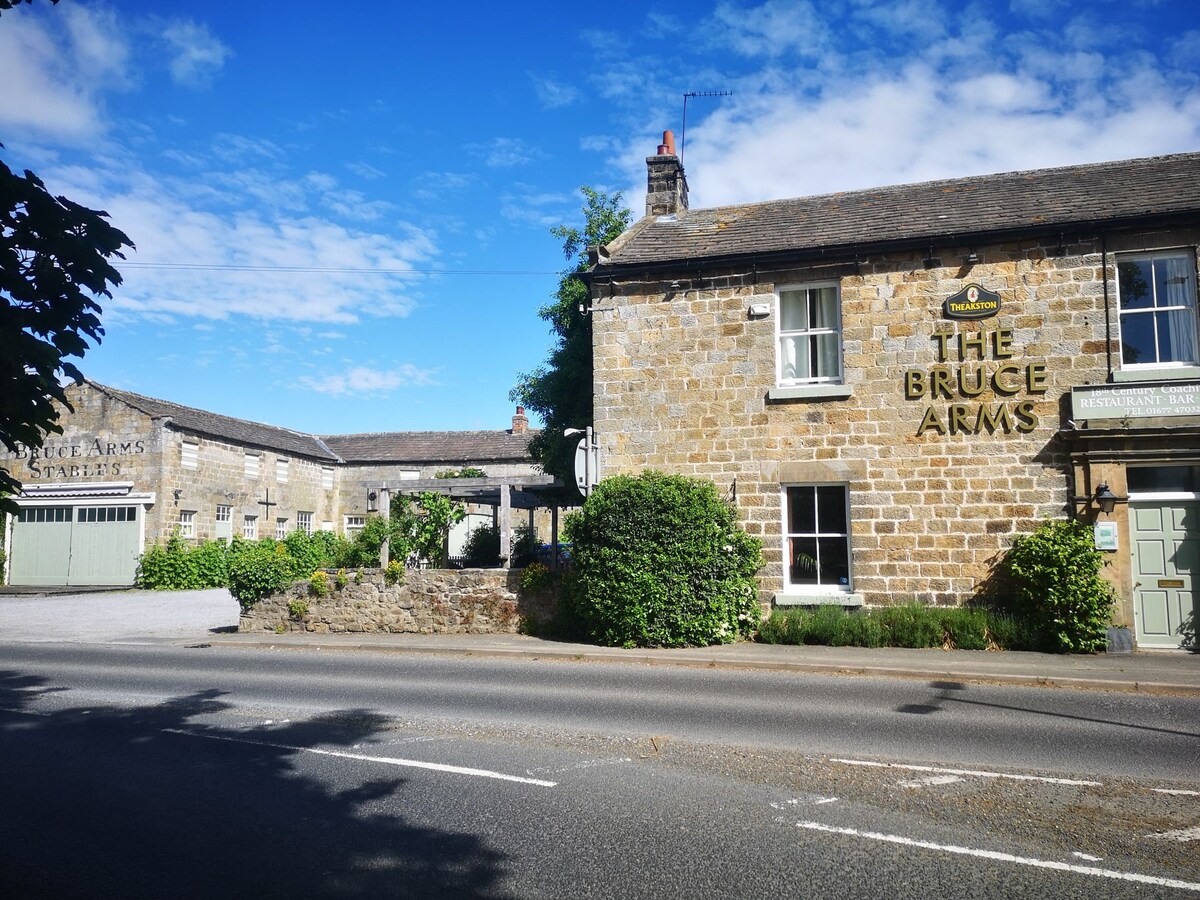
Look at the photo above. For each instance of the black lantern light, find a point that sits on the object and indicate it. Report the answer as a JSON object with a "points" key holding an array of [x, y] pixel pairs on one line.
{"points": [[1105, 498]]}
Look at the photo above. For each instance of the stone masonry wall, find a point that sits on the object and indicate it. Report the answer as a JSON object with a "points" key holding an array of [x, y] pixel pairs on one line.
{"points": [[430, 601], [683, 374]]}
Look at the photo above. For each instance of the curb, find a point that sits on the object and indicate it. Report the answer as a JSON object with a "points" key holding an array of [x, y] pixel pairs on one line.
{"points": [[812, 668]]}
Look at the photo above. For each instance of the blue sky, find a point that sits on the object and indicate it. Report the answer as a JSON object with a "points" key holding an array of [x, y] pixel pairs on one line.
{"points": [[342, 210]]}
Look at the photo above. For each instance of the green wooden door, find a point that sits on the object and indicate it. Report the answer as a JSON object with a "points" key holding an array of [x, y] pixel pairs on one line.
{"points": [[1166, 560], [104, 545], [41, 545]]}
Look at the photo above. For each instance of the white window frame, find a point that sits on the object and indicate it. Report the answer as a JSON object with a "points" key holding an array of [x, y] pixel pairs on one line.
{"points": [[788, 535], [253, 465], [304, 522], [781, 378], [1156, 313], [281, 469], [327, 478], [187, 523], [189, 454], [352, 525], [280, 528], [250, 527]]}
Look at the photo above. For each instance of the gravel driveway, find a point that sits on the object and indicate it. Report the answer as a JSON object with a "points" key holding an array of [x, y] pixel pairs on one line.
{"points": [[109, 617]]}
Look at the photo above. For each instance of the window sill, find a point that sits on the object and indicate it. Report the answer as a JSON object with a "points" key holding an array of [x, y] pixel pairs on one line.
{"points": [[810, 392], [1174, 373], [832, 599]]}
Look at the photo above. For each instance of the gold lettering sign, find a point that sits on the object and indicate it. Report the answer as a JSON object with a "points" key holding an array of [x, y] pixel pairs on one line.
{"points": [[972, 302]]}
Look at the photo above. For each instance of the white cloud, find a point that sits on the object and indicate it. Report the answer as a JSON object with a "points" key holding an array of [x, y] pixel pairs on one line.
{"points": [[553, 94], [365, 170], [503, 153], [366, 380], [963, 104], [772, 29], [198, 56], [54, 78]]}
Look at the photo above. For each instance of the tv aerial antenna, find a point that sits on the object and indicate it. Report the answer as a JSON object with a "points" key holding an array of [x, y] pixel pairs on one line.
{"points": [[689, 95]]}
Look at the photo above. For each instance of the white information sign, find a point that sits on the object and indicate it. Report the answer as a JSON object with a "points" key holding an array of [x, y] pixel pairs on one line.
{"points": [[1106, 535], [1136, 401]]}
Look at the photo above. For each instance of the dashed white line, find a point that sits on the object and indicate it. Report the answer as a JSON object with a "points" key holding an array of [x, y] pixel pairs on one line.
{"points": [[1004, 857], [1183, 835], [976, 773], [932, 781], [386, 760], [1176, 793]]}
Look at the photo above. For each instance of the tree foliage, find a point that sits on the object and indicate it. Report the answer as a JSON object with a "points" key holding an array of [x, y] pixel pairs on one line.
{"points": [[54, 264], [660, 561], [560, 391]]}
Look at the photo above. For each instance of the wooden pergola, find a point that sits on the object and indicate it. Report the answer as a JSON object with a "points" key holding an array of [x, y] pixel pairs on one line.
{"points": [[503, 493]]}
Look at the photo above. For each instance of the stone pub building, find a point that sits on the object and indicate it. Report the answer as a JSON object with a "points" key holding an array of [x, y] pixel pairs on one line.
{"points": [[894, 383]]}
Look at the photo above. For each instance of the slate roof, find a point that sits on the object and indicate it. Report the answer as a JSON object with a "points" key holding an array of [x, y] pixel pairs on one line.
{"points": [[432, 446], [1082, 196], [238, 431], [383, 447]]}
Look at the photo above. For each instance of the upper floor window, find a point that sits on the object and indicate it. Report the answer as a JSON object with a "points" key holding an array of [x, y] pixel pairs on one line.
{"points": [[252, 461], [189, 454], [327, 478], [1157, 294], [810, 334], [281, 469]]}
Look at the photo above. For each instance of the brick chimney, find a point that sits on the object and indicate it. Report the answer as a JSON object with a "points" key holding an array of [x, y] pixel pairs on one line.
{"points": [[666, 185], [520, 422]]}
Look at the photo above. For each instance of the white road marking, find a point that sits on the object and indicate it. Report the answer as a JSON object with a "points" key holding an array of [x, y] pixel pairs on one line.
{"points": [[1183, 835], [978, 774], [387, 760], [1176, 793], [825, 800], [932, 781], [1086, 856], [1005, 857]]}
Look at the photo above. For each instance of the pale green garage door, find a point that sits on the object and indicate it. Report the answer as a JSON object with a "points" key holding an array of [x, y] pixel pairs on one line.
{"points": [[75, 545]]}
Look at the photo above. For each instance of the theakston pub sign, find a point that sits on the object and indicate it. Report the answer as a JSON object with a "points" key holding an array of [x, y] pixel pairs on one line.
{"points": [[972, 364], [972, 302]]}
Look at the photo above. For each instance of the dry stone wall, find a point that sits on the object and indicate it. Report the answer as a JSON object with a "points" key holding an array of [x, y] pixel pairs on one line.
{"points": [[429, 601]]}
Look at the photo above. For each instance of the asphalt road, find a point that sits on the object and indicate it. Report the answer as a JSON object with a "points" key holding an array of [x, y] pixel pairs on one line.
{"points": [[165, 771]]}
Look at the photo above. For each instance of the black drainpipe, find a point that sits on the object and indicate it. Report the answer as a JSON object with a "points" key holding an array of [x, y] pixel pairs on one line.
{"points": [[1107, 313]]}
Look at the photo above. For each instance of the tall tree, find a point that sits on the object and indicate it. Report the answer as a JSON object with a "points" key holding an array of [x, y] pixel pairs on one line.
{"points": [[561, 390]]}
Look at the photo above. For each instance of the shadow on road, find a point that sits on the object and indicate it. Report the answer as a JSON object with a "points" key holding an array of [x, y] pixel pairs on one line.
{"points": [[947, 690], [115, 802]]}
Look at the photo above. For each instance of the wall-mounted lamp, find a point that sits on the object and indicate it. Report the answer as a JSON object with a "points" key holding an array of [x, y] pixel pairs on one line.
{"points": [[931, 261], [759, 310], [971, 258], [1105, 498], [178, 492]]}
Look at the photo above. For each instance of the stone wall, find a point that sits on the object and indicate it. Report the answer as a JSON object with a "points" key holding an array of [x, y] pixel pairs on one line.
{"points": [[429, 601], [686, 382]]}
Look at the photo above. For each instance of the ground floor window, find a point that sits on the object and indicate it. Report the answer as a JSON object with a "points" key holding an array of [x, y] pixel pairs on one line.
{"points": [[353, 525], [304, 522], [280, 529], [250, 527], [187, 523], [817, 537]]}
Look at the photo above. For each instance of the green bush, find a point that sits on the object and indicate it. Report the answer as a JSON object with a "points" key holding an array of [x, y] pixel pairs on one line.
{"points": [[482, 548], [318, 584], [659, 560], [257, 570], [178, 565], [298, 609], [911, 625], [1054, 574]]}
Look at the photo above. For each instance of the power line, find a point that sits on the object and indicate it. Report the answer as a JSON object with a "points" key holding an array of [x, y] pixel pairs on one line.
{"points": [[327, 270]]}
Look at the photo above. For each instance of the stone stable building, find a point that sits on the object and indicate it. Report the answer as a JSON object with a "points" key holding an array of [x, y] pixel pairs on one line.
{"points": [[129, 470], [895, 383]]}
